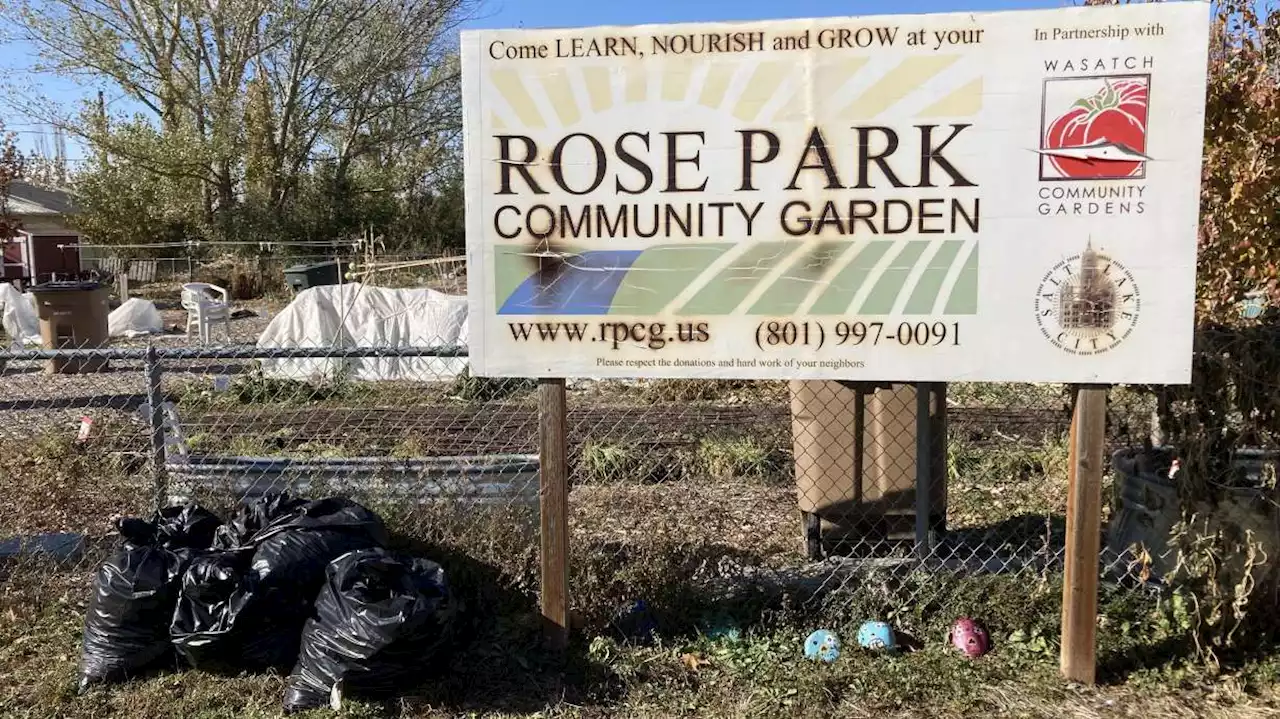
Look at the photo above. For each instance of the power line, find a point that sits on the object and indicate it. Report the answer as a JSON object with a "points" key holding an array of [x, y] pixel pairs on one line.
{"points": [[226, 243]]}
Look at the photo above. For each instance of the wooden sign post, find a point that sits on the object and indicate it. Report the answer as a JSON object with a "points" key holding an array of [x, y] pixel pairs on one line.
{"points": [[1084, 531], [554, 505]]}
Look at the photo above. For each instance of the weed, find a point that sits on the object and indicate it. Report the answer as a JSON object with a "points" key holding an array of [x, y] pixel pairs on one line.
{"points": [[470, 388], [1225, 569], [602, 462], [409, 447], [54, 483], [1009, 395], [256, 388], [990, 484], [743, 457], [249, 446], [679, 391], [244, 278]]}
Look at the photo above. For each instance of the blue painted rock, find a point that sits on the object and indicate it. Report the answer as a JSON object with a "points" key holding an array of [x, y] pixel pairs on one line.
{"points": [[877, 636], [823, 646]]}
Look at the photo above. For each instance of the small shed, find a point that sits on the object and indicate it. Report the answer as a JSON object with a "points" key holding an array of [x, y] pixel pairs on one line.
{"points": [[45, 247]]}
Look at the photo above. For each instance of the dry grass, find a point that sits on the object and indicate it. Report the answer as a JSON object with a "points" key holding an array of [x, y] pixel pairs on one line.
{"points": [[53, 483], [989, 485], [503, 674], [743, 515], [694, 542]]}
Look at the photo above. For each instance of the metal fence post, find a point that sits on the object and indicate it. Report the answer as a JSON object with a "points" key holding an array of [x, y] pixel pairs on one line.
{"points": [[155, 398]]}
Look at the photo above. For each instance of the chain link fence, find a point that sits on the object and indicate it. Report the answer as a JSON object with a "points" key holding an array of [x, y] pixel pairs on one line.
{"points": [[686, 494]]}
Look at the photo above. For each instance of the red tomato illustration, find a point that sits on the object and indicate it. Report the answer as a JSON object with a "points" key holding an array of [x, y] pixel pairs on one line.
{"points": [[1118, 114]]}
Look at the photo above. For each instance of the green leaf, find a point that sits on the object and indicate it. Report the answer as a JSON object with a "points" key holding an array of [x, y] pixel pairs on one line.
{"points": [[1108, 98]]}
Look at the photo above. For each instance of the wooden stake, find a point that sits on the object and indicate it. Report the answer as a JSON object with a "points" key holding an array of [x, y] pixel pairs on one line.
{"points": [[554, 496], [1084, 531]]}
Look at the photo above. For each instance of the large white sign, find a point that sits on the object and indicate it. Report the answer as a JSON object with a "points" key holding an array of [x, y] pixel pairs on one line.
{"points": [[995, 196]]}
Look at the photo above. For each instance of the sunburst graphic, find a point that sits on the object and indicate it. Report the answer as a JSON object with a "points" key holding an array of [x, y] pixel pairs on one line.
{"points": [[855, 89]]}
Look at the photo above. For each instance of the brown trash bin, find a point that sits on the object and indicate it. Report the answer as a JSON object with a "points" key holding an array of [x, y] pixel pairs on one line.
{"points": [[850, 499], [73, 315]]}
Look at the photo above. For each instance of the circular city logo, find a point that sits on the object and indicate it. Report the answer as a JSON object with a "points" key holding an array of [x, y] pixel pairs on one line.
{"points": [[1087, 304]]}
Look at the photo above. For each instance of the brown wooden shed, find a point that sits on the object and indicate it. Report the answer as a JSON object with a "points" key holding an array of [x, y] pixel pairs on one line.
{"points": [[45, 247]]}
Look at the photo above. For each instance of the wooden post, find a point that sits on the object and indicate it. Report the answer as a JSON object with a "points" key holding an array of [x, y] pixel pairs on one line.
{"points": [[554, 503], [924, 469], [1084, 530], [122, 284]]}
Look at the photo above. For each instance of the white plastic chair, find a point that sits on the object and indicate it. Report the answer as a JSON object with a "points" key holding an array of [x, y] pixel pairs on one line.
{"points": [[206, 304]]}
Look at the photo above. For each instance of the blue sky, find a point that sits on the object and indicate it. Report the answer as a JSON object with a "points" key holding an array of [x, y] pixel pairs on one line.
{"points": [[555, 13], [568, 13]]}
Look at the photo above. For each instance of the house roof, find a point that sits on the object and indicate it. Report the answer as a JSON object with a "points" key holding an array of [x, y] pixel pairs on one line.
{"points": [[27, 199]]}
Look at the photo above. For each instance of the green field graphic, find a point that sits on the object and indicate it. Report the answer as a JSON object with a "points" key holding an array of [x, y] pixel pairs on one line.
{"points": [[914, 277]]}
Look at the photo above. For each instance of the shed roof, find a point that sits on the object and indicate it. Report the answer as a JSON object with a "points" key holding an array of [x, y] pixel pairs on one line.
{"points": [[27, 199]]}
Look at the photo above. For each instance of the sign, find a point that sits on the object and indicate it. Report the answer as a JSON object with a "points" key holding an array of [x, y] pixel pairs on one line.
{"points": [[994, 196]]}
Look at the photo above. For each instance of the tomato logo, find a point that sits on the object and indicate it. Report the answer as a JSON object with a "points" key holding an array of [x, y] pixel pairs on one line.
{"points": [[1102, 135]]}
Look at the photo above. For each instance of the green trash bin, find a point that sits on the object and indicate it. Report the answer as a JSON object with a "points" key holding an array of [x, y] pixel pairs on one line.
{"points": [[303, 277]]}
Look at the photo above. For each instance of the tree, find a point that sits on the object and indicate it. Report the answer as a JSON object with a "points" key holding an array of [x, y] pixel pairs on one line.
{"points": [[1239, 241], [11, 167], [122, 201], [47, 166], [1240, 229], [257, 101]]}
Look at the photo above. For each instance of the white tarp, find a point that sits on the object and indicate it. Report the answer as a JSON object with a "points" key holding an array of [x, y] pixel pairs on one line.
{"points": [[18, 316], [356, 315], [135, 318]]}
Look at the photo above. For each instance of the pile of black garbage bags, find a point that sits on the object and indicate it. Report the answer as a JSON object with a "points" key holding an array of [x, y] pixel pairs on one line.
{"points": [[287, 584]]}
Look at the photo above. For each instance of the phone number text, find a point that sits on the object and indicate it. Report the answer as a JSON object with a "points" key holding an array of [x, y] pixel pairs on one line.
{"points": [[811, 333]]}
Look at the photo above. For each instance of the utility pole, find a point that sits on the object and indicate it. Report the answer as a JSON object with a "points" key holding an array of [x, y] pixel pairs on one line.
{"points": [[102, 127]]}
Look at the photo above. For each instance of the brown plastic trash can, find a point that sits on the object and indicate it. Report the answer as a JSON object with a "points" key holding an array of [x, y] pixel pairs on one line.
{"points": [[855, 490], [73, 315]]}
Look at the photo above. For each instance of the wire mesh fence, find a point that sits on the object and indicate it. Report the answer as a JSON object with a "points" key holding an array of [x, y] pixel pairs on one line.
{"points": [[721, 487], [681, 491]]}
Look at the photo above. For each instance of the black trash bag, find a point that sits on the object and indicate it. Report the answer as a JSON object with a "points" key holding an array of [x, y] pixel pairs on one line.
{"points": [[186, 526], [126, 628], [218, 624], [244, 609], [312, 535], [382, 622], [251, 517]]}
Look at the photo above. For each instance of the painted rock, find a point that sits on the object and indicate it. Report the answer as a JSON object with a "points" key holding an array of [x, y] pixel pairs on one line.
{"points": [[969, 638], [823, 646], [877, 636]]}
